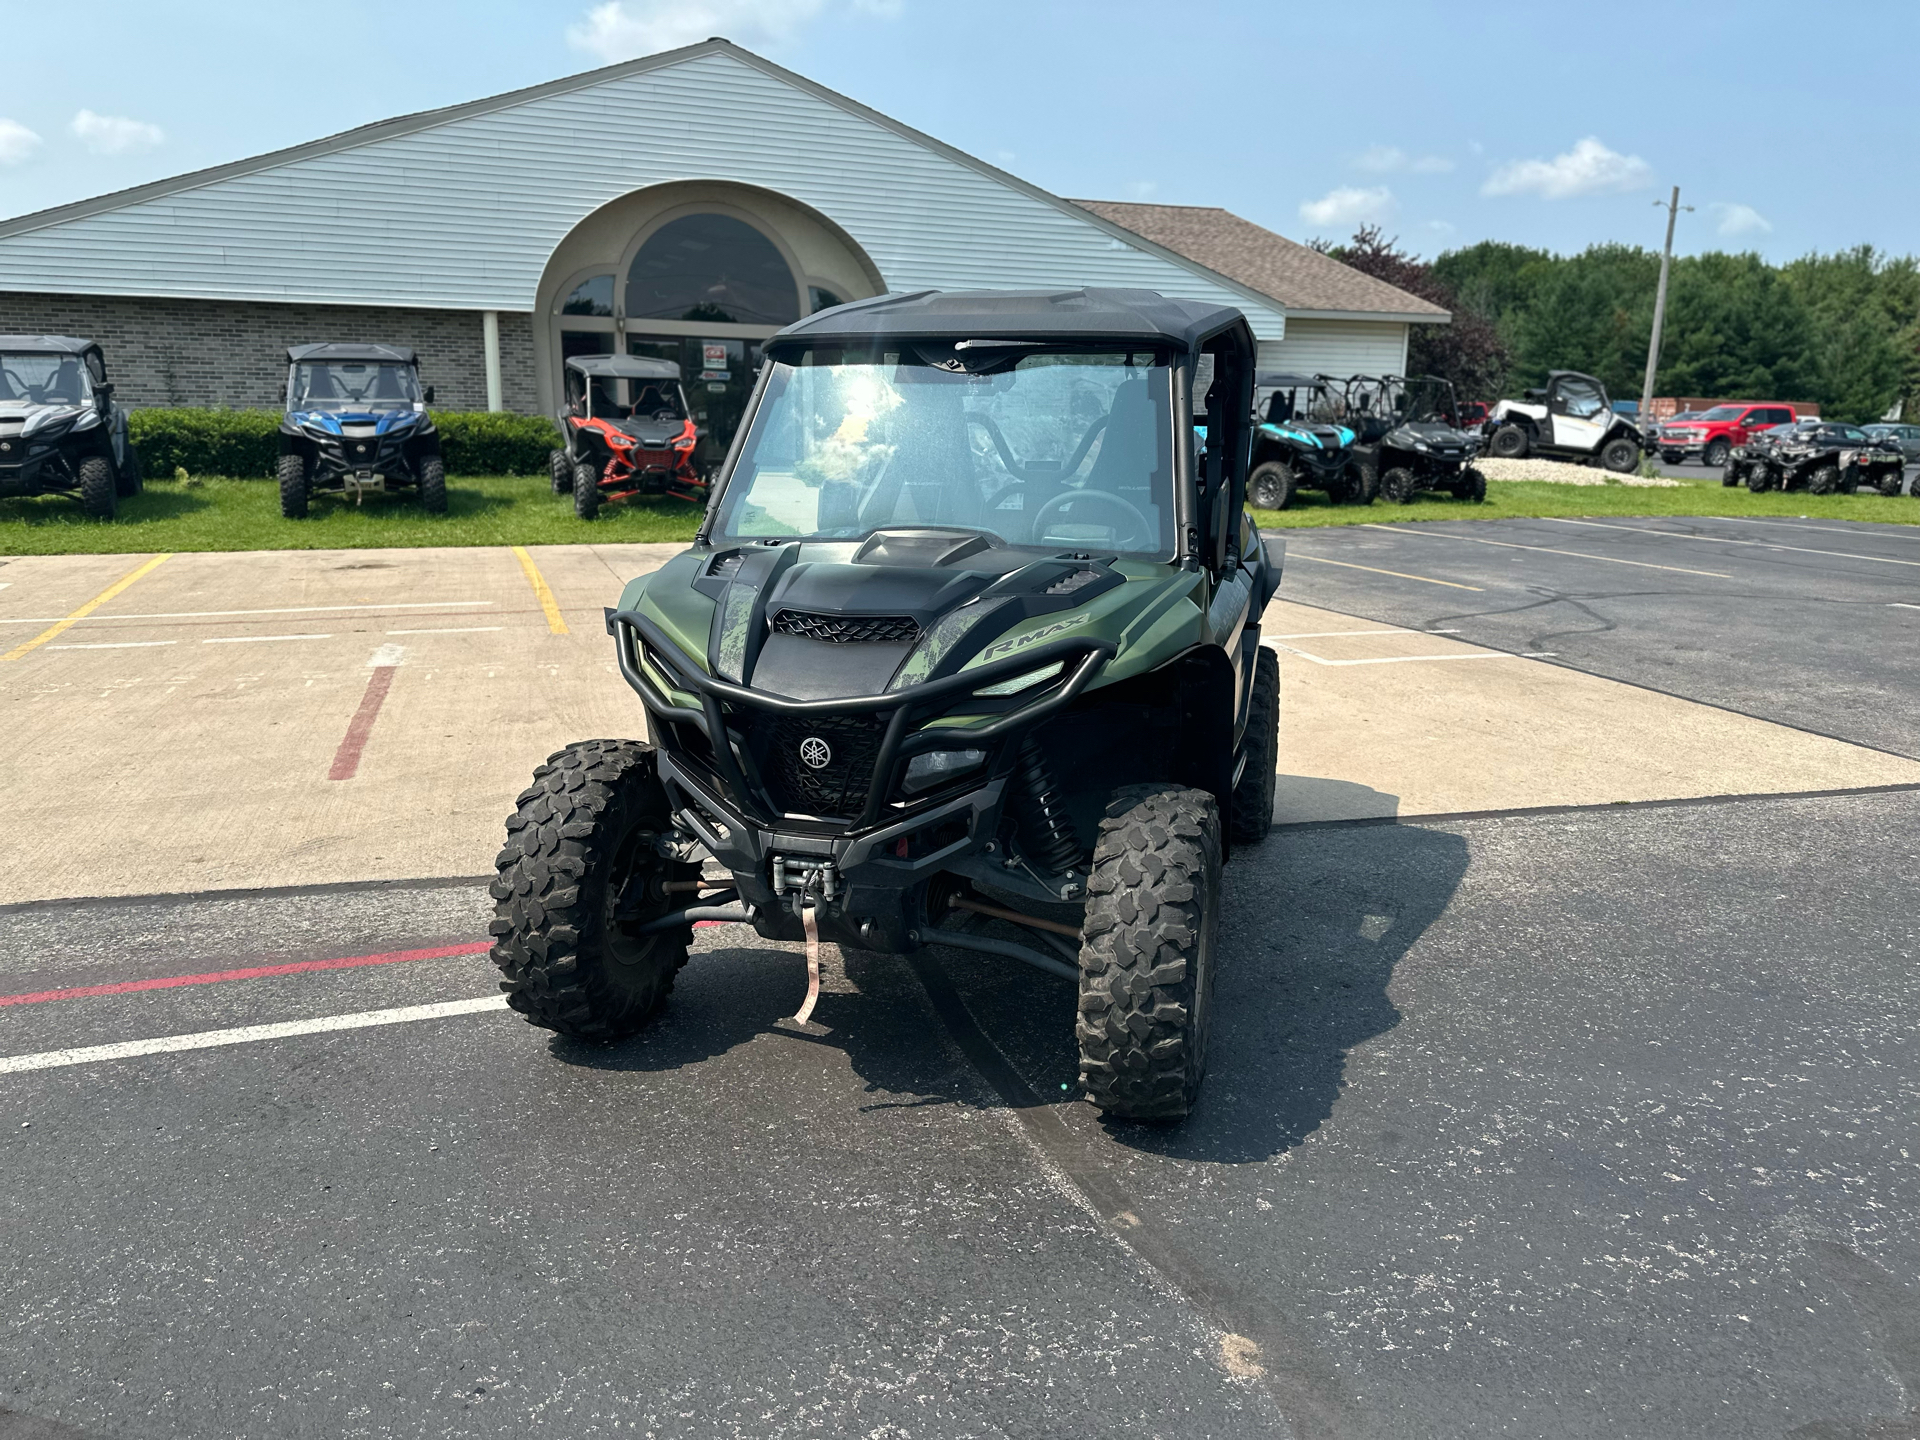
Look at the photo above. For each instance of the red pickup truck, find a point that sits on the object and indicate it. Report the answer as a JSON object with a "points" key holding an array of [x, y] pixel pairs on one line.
{"points": [[1706, 438]]}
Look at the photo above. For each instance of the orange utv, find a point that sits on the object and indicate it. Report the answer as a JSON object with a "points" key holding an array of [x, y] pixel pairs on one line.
{"points": [[627, 431]]}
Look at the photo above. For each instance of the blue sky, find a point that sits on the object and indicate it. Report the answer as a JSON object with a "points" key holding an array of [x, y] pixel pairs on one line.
{"points": [[1546, 125]]}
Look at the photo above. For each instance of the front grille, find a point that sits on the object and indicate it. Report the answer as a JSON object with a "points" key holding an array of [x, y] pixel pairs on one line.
{"points": [[837, 788], [848, 629]]}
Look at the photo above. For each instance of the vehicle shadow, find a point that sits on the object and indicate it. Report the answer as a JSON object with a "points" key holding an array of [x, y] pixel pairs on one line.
{"points": [[150, 504]]}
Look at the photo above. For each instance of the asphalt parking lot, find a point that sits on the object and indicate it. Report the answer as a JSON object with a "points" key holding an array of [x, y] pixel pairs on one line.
{"points": [[1562, 1084]]}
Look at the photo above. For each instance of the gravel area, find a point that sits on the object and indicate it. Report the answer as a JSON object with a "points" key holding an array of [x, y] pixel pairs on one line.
{"points": [[1558, 472]]}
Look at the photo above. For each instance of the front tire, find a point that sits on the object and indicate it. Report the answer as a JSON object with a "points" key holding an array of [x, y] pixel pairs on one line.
{"points": [[562, 469], [1620, 456], [99, 490], [1716, 454], [1824, 480], [586, 490], [1252, 810], [1759, 479], [578, 877], [1398, 485], [1509, 443], [433, 485], [1472, 486], [1270, 486], [293, 486], [1362, 481], [1730, 476], [1146, 959]]}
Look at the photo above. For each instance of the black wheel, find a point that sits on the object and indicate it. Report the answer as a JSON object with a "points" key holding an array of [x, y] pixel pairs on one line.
{"points": [[1759, 478], [1716, 454], [1362, 481], [1620, 456], [433, 485], [578, 878], [1889, 482], [99, 492], [129, 482], [1471, 486], [1509, 443], [1146, 957], [562, 469], [1270, 486], [1730, 476], [1252, 813], [1824, 480], [586, 490], [293, 485], [1399, 486]]}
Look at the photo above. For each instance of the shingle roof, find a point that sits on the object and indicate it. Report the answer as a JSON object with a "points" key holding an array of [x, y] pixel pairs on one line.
{"points": [[1303, 280]]}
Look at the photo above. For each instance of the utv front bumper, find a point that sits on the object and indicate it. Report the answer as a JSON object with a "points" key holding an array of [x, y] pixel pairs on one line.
{"points": [[720, 758]]}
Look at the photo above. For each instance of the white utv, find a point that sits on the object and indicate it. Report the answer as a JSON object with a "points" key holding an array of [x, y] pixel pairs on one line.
{"points": [[1569, 418]]}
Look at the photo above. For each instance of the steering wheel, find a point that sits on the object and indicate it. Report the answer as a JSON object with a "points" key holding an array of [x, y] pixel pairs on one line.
{"points": [[1125, 540]]}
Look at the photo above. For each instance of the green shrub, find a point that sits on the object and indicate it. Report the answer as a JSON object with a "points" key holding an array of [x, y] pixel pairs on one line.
{"points": [[243, 443], [481, 443]]}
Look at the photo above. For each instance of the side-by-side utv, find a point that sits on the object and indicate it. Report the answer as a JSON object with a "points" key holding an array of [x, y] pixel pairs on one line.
{"points": [[966, 654], [1408, 437], [627, 431], [1300, 444], [61, 433], [356, 420]]}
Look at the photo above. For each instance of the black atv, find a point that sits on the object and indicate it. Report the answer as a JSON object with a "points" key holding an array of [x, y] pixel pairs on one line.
{"points": [[60, 431], [356, 421], [1823, 457], [1300, 444], [965, 654], [1408, 437]]}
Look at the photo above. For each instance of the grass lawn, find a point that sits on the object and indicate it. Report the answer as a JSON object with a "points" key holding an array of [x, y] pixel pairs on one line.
{"points": [[521, 510]]}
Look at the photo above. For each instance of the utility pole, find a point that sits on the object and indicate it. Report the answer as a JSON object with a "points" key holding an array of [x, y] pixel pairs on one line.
{"points": [[1674, 207]]}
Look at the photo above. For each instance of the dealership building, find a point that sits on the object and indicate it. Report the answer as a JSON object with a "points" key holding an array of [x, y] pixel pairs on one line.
{"points": [[684, 206]]}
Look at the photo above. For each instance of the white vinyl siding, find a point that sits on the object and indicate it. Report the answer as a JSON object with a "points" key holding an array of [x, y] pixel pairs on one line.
{"points": [[465, 213], [1338, 347]]}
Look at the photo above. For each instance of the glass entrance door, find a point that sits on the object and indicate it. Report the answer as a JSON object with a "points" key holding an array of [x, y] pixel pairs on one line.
{"points": [[718, 376]]}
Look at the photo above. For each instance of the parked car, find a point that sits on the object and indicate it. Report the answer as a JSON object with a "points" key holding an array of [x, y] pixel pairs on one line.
{"points": [[1907, 437], [356, 420], [1710, 436], [1473, 414], [1823, 457], [628, 431], [1568, 418], [60, 431], [1298, 444]]}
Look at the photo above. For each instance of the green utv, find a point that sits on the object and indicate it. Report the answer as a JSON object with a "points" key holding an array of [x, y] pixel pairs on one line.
{"points": [[970, 632]]}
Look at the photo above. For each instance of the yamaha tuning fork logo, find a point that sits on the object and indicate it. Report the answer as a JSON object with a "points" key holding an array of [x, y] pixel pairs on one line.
{"points": [[816, 752]]}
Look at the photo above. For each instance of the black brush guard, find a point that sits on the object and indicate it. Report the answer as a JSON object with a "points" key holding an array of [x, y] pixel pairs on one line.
{"points": [[904, 708]]}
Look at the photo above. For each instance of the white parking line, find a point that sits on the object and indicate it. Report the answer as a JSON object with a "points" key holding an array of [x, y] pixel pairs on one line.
{"points": [[451, 630], [1730, 540], [1885, 530], [282, 610], [1332, 634], [1274, 644], [116, 645], [245, 1034], [257, 639], [1549, 550], [1902, 605]]}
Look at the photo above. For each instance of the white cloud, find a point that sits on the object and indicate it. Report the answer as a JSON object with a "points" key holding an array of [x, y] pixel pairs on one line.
{"points": [[17, 142], [1590, 168], [1740, 219], [621, 29], [115, 134], [1349, 205], [1392, 160]]}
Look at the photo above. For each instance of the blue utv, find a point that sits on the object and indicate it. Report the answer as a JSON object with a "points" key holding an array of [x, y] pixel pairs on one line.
{"points": [[1299, 444], [356, 421]]}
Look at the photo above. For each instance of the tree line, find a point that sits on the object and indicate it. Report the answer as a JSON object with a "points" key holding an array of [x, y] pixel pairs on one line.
{"points": [[1840, 330]]}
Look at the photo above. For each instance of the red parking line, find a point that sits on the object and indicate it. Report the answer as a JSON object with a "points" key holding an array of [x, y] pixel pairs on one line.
{"points": [[252, 972], [346, 760]]}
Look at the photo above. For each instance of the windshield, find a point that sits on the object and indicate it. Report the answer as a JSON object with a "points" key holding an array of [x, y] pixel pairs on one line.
{"points": [[1724, 412], [614, 397], [44, 379], [353, 385], [1052, 449], [1426, 400]]}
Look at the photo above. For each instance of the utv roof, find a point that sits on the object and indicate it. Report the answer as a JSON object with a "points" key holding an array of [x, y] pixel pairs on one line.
{"points": [[1276, 380], [392, 354], [624, 367], [46, 344], [1043, 315]]}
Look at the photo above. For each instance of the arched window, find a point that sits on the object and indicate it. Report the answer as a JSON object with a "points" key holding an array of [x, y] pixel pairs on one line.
{"points": [[592, 296], [713, 268]]}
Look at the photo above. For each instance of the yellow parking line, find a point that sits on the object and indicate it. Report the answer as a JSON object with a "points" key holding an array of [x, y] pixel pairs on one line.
{"points": [[85, 610], [547, 603], [1397, 574]]}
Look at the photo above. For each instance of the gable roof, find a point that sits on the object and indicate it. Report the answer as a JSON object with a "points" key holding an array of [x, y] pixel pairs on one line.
{"points": [[1309, 284], [488, 205]]}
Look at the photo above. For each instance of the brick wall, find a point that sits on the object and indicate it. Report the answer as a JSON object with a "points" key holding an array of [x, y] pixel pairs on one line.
{"points": [[234, 353]]}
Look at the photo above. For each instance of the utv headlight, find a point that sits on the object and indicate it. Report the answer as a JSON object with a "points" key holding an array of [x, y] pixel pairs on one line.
{"points": [[1023, 682], [47, 423], [936, 767]]}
